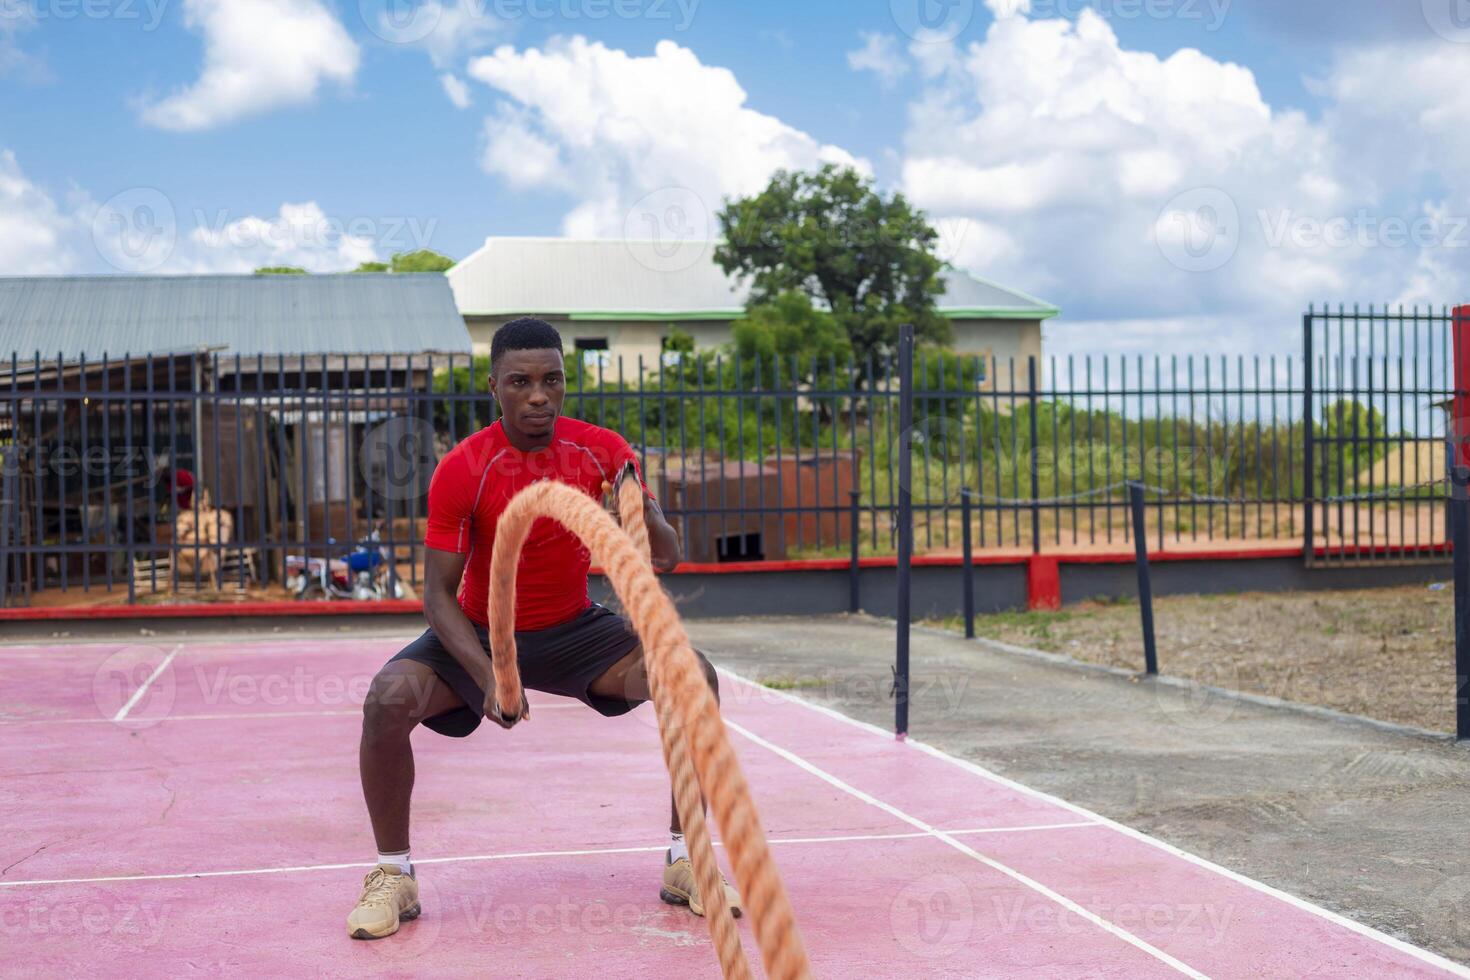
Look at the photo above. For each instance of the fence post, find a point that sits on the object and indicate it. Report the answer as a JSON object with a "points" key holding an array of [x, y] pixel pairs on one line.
{"points": [[1309, 446], [1459, 500], [854, 589], [1145, 583], [1035, 401], [968, 565], [905, 525]]}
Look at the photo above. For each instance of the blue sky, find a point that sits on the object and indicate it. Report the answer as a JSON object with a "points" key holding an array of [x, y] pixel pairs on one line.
{"points": [[1077, 150]]}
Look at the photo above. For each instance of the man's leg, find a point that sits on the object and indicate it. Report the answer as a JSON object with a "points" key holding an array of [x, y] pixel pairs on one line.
{"points": [[628, 679], [404, 693]]}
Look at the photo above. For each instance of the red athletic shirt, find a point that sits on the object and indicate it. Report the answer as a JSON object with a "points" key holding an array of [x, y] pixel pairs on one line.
{"points": [[473, 484]]}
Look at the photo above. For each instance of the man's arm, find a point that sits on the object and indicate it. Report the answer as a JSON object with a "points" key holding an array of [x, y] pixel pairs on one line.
{"points": [[663, 541], [442, 572], [664, 550]]}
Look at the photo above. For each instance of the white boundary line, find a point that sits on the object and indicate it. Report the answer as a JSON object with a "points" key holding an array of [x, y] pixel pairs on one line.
{"points": [[143, 688], [1434, 959], [965, 849], [524, 854]]}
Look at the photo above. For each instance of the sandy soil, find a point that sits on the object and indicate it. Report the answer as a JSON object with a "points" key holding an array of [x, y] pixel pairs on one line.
{"points": [[1384, 653]]}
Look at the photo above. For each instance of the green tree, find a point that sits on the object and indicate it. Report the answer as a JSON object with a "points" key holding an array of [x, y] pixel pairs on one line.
{"points": [[1360, 435], [829, 234], [280, 270], [789, 328], [423, 260], [372, 267]]}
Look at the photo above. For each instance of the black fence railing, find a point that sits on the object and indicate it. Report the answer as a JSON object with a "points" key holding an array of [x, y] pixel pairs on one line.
{"points": [[144, 478]]}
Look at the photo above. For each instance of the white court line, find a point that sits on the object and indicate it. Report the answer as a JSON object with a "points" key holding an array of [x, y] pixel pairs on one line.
{"points": [[965, 849], [1434, 959], [520, 854], [142, 688], [243, 716]]}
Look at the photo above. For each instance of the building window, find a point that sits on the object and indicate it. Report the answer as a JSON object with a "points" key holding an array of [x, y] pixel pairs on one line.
{"points": [[593, 352]]}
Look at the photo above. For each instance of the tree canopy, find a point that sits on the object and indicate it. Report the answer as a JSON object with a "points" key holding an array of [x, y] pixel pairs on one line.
{"points": [[867, 259], [422, 260]]}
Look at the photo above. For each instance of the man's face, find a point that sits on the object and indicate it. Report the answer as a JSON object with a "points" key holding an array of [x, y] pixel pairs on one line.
{"points": [[530, 386]]}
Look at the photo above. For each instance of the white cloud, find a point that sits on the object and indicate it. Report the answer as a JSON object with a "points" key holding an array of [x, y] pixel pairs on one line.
{"points": [[258, 54], [1065, 156], [36, 236], [880, 55], [1008, 8], [456, 89], [17, 17], [609, 128], [299, 235], [447, 31], [1165, 189]]}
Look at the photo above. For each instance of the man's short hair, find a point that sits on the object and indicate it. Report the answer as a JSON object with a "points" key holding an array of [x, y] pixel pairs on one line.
{"points": [[524, 333]]}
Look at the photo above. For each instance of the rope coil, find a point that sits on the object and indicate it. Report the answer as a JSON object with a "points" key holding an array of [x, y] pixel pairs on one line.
{"points": [[696, 747]]}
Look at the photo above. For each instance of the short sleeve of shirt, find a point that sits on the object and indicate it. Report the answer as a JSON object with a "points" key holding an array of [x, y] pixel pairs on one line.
{"points": [[451, 502]]}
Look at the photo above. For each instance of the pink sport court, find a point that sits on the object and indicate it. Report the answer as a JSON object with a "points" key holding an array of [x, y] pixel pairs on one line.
{"points": [[192, 807]]}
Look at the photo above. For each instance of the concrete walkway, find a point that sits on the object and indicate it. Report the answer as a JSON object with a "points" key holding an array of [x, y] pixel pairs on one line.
{"points": [[1367, 822]]}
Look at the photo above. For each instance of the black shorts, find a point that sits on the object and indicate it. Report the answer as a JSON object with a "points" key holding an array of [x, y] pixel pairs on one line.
{"points": [[564, 659]]}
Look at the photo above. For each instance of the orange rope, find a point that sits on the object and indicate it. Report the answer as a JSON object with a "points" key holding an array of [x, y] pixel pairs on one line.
{"points": [[687, 796], [689, 718]]}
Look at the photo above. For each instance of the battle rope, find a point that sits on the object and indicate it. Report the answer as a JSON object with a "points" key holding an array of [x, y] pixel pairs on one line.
{"points": [[689, 718]]}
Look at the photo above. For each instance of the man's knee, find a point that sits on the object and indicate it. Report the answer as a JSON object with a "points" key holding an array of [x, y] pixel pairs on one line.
{"points": [[389, 708]]}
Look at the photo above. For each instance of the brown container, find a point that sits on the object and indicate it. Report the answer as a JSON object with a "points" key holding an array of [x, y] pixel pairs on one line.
{"points": [[822, 479], [714, 507]]}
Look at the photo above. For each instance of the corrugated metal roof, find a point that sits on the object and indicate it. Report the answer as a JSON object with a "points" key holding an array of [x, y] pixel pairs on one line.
{"points": [[328, 314], [618, 278]]}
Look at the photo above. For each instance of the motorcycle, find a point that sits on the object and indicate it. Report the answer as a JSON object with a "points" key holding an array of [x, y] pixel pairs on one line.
{"points": [[362, 575]]}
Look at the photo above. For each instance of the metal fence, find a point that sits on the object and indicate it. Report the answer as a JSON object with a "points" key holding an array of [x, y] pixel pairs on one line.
{"points": [[142, 478]]}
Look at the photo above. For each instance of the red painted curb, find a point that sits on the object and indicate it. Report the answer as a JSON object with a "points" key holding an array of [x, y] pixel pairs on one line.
{"points": [[216, 610], [1043, 582]]}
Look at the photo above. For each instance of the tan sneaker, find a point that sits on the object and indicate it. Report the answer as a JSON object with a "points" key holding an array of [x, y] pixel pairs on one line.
{"points": [[388, 897], [679, 887]]}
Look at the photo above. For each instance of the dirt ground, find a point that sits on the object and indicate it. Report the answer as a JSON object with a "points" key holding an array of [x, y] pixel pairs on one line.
{"points": [[1384, 653]]}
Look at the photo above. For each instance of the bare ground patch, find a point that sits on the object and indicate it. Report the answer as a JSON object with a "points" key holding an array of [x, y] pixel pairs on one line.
{"points": [[1384, 653]]}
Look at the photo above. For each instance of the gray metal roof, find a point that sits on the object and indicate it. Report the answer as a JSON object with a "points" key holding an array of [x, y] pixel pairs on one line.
{"points": [[619, 279], [328, 314]]}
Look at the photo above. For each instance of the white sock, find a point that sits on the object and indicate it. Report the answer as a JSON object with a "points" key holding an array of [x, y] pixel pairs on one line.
{"points": [[404, 864], [677, 849]]}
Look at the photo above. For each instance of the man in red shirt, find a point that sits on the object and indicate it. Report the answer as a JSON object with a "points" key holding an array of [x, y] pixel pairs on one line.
{"points": [[566, 644]]}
